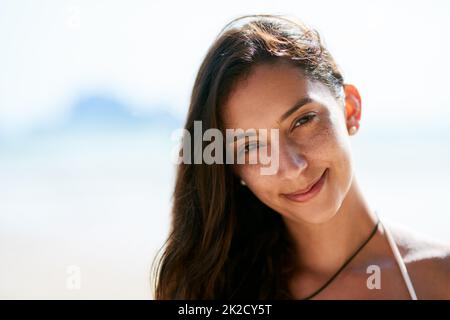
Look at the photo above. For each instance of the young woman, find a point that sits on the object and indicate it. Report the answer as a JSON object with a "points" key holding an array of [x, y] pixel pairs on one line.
{"points": [[306, 230]]}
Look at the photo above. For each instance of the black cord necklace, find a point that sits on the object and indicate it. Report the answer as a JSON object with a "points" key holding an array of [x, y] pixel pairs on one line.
{"points": [[374, 231]]}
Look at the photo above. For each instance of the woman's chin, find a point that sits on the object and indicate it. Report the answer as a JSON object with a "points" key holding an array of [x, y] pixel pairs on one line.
{"points": [[313, 215], [318, 217]]}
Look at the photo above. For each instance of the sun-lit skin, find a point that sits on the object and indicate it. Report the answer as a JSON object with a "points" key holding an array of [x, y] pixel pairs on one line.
{"points": [[306, 148], [327, 228]]}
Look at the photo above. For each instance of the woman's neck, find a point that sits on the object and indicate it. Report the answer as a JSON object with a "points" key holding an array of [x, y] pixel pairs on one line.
{"points": [[322, 248]]}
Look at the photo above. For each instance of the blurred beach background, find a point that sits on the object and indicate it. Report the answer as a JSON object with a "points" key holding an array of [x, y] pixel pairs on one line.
{"points": [[90, 92]]}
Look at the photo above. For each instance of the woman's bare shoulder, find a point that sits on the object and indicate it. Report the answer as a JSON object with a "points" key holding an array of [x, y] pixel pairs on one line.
{"points": [[427, 261]]}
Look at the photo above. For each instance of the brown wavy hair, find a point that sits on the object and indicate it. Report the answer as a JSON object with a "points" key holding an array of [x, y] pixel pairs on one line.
{"points": [[224, 243]]}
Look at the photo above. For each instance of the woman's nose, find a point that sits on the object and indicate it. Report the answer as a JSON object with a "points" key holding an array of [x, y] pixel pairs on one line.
{"points": [[291, 162]]}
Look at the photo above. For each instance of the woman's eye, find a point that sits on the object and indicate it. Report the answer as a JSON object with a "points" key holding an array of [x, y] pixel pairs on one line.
{"points": [[303, 120], [250, 147]]}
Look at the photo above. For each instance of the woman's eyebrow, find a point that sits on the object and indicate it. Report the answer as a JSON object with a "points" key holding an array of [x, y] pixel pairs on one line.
{"points": [[300, 103]]}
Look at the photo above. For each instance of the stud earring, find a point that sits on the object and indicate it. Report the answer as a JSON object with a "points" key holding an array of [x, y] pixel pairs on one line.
{"points": [[352, 130], [243, 182]]}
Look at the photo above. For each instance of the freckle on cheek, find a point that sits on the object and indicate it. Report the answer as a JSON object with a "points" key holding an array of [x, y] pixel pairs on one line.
{"points": [[324, 135], [324, 141]]}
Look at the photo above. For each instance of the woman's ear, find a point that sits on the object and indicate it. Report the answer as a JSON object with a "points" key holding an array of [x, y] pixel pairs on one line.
{"points": [[352, 108]]}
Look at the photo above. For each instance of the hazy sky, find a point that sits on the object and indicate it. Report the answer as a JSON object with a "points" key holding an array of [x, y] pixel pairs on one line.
{"points": [[147, 52]]}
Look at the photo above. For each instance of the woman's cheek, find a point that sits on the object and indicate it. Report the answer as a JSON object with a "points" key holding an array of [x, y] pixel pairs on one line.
{"points": [[261, 185]]}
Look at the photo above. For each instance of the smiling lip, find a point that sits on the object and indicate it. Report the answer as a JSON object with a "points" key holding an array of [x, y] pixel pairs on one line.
{"points": [[308, 193]]}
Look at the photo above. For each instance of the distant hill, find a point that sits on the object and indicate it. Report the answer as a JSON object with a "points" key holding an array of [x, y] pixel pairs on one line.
{"points": [[104, 111]]}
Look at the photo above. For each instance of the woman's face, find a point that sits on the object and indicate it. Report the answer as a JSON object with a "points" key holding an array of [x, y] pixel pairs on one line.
{"points": [[313, 142]]}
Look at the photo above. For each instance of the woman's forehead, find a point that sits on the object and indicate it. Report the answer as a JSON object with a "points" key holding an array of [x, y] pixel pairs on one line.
{"points": [[267, 93]]}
